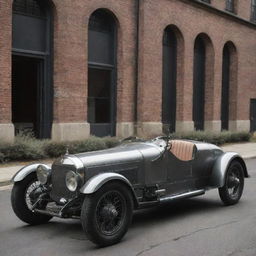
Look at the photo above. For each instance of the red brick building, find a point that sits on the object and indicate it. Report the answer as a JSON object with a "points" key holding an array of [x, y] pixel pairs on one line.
{"points": [[69, 69]]}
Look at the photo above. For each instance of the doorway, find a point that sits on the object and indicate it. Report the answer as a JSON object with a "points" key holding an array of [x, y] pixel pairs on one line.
{"points": [[26, 95], [32, 67]]}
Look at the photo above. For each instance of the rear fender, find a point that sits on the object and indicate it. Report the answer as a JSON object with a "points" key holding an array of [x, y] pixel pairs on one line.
{"points": [[220, 168]]}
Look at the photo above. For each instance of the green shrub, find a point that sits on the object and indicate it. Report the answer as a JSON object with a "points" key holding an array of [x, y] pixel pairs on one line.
{"points": [[111, 141], [214, 138], [90, 144], [26, 147], [55, 149], [2, 157]]}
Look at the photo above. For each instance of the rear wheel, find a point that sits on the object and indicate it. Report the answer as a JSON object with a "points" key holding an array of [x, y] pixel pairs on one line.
{"points": [[107, 214], [22, 201], [232, 191]]}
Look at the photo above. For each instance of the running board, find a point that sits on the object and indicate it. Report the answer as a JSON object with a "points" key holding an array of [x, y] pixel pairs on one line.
{"points": [[184, 195]]}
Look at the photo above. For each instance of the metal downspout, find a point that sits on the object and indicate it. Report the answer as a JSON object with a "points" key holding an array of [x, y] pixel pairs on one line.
{"points": [[137, 12]]}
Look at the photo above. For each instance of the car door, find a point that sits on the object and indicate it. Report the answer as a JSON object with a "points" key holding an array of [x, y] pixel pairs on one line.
{"points": [[178, 163]]}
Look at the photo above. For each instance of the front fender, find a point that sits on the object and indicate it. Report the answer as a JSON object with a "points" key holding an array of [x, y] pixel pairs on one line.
{"points": [[25, 171], [96, 182], [220, 168]]}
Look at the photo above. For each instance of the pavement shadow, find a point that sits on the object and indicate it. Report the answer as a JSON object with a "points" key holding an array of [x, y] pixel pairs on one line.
{"points": [[165, 212], [175, 210]]}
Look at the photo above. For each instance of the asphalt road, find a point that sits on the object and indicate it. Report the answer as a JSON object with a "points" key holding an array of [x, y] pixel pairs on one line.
{"points": [[195, 227]]}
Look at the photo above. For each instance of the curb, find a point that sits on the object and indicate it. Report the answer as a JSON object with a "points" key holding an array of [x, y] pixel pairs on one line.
{"points": [[5, 183]]}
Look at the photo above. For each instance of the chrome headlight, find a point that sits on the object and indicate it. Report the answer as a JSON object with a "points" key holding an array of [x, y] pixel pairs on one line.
{"points": [[72, 180], [43, 173]]}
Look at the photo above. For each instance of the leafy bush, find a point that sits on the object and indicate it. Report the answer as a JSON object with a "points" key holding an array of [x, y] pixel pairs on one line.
{"points": [[111, 141], [214, 138], [56, 149], [26, 147]]}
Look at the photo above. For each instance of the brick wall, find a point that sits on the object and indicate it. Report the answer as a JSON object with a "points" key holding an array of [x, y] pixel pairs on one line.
{"points": [[5, 61], [188, 20], [70, 57], [192, 21]]}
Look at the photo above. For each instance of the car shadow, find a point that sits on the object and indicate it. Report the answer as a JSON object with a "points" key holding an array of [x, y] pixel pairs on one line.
{"points": [[175, 210], [168, 211], [171, 211]]}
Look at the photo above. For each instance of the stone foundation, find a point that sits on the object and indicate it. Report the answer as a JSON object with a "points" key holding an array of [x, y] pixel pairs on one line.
{"points": [[212, 126], [239, 125], [124, 130], [149, 129], [6, 133], [70, 131], [184, 126]]}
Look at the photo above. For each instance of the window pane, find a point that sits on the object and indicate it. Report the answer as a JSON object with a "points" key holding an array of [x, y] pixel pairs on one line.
{"points": [[28, 7], [99, 99], [230, 5]]}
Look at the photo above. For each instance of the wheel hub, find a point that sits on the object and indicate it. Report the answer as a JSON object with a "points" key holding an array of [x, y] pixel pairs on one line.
{"points": [[109, 212]]}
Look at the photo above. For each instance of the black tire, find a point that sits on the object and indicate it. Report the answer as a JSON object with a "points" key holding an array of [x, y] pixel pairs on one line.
{"points": [[20, 206], [115, 202], [232, 191]]}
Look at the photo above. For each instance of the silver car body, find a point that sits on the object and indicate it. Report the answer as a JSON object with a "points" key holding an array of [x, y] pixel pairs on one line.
{"points": [[151, 172]]}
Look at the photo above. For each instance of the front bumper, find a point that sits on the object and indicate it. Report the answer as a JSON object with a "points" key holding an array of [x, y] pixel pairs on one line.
{"points": [[71, 209]]}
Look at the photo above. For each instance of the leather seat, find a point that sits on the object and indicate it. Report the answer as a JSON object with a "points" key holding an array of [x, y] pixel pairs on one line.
{"points": [[183, 150]]}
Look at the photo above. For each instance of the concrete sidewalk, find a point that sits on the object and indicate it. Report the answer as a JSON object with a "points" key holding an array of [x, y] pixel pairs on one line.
{"points": [[246, 150]]}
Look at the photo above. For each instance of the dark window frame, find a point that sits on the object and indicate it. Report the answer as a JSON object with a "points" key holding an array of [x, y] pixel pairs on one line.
{"points": [[31, 8], [46, 61], [253, 11], [206, 1], [169, 79], [104, 22], [230, 6], [199, 83]]}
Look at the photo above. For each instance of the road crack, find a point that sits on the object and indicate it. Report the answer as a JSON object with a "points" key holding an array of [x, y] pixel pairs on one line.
{"points": [[184, 236], [203, 229]]}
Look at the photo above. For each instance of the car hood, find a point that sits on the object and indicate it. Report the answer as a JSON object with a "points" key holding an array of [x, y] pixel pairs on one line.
{"points": [[125, 153]]}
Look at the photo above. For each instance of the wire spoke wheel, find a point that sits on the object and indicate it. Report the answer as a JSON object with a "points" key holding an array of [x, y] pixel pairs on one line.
{"points": [[232, 191], [31, 188], [233, 182], [110, 212], [106, 214], [23, 198]]}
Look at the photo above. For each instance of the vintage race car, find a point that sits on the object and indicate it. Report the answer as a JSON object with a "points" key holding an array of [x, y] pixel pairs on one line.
{"points": [[103, 188]]}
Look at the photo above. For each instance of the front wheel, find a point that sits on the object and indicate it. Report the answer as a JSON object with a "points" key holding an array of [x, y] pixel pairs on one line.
{"points": [[22, 201], [107, 214], [232, 191]]}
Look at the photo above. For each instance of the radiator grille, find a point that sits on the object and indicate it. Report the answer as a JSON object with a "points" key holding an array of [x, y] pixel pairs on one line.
{"points": [[59, 189]]}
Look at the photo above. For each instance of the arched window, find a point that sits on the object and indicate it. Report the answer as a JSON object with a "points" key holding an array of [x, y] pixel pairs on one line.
{"points": [[225, 88], [169, 79], [203, 83], [102, 51], [199, 83], [253, 11], [29, 7], [229, 85], [230, 5], [32, 67]]}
